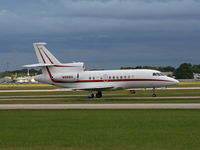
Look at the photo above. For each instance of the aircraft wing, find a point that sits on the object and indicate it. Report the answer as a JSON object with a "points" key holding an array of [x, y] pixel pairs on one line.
{"points": [[94, 88]]}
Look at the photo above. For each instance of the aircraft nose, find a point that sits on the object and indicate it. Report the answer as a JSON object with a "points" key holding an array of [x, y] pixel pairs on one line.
{"points": [[175, 81]]}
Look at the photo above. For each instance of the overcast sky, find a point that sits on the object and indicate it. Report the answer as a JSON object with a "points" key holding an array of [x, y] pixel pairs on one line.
{"points": [[104, 34]]}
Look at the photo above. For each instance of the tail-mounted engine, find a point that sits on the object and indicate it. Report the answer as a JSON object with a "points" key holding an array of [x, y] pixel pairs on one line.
{"points": [[71, 77]]}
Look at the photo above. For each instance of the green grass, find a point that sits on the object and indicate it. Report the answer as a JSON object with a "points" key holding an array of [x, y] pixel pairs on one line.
{"points": [[73, 97], [188, 84], [100, 129]]}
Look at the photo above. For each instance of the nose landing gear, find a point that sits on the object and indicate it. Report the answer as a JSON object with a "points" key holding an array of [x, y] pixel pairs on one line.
{"points": [[154, 92], [132, 92]]}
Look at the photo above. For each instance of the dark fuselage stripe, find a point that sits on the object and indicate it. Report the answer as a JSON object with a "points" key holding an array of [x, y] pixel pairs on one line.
{"points": [[97, 81], [47, 56]]}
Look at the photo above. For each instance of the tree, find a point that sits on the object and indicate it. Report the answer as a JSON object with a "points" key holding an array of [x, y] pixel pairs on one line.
{"points": [[184, 71], [162, 69], [166, 69], [196, 68], [20, 73]]}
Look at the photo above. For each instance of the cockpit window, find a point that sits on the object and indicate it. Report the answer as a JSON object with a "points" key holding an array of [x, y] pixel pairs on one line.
{"points": [[158, 74]]}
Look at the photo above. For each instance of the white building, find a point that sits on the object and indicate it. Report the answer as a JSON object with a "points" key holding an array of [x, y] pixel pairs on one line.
{"points": [[6, 79], [196, 75], [26, 79]]}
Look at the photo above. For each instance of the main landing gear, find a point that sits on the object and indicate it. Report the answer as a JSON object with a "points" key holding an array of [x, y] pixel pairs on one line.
{"points": [[98, 95], [90, 95], [154, 92]]}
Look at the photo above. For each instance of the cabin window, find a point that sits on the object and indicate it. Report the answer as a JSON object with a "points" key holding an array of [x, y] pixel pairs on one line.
{"points": [[129, 77], [124, 77], [109, 77], [121, 77], [113, 77], [93, 78], [117, 77], [90, 78]]}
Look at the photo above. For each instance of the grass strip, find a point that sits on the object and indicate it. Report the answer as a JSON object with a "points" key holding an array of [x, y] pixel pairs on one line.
{"points": [[100, 129]]}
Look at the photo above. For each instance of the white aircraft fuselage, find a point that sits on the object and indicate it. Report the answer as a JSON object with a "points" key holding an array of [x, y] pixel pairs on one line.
{"points": [[75, 77], [117, 79]]}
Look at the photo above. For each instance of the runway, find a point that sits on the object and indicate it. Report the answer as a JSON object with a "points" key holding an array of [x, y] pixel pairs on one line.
{"points": [[82, 97], [99, 106]]}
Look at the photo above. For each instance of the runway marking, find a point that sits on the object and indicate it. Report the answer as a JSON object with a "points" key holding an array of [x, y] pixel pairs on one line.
{"points": [[100, 106]]}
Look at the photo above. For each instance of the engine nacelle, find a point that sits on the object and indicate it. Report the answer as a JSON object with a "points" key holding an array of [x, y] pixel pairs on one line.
{"points": [[67, 77]]}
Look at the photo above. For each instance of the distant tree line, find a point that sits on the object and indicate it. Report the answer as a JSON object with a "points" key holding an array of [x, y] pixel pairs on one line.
{"points": [[184, 71], [20, 73], [162, 69]]}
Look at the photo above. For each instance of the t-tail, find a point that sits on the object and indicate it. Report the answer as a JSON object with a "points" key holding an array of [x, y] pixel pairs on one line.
{"points": [[52, 69], [43, 55]]}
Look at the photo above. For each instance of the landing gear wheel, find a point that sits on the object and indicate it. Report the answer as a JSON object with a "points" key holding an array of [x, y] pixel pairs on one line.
{"points": [[154, 95], [90, 95], [99, 95], [132, 92], [154, 92]]}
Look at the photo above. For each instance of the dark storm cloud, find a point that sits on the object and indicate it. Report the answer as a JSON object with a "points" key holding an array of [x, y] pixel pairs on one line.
{"points": [[83, 16], [103, 33]]}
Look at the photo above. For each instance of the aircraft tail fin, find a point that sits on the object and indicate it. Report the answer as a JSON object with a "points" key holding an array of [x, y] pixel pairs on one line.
{"points": [[49, 64], [43, 55]]}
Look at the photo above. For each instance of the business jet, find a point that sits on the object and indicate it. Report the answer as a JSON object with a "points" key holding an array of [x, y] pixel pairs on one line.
{"points": [[74, 76]]}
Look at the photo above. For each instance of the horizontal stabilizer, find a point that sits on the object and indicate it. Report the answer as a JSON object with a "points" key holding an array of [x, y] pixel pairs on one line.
{"points": [[79, 64], [37, 65]]}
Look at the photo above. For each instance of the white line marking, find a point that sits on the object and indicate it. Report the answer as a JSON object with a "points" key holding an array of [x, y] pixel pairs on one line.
{"points": [[100, 106]]}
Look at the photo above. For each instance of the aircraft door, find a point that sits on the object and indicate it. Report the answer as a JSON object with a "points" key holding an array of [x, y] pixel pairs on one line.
{"points": [[105, 78]]}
